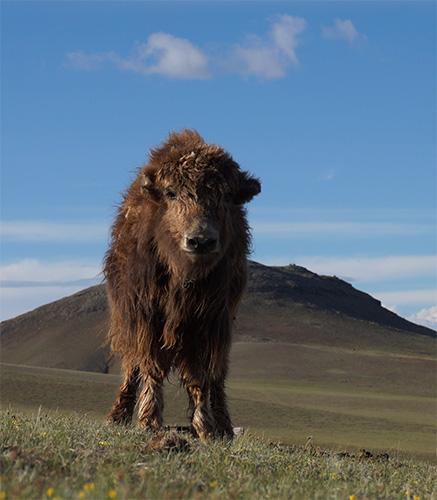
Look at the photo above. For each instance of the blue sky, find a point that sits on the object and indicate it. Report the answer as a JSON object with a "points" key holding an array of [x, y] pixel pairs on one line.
{"points": [[331, 104]]}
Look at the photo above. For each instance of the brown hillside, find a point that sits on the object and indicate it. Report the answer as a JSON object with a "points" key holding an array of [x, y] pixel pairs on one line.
{"points": [[282, 304]]}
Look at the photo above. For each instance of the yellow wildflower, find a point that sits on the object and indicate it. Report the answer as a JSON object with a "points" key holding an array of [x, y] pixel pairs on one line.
{"points": [[82, 494], [352, 497], [213, 484], [104, 443], [112, 494], [416, 497], [50, 492], [89, 487], [2, 495]]}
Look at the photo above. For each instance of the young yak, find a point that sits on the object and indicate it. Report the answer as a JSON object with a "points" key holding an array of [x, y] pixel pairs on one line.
{"points": [[175, 271]]}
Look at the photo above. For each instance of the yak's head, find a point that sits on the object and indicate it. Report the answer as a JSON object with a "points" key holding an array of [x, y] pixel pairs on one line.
{"points": [[199, 191]]}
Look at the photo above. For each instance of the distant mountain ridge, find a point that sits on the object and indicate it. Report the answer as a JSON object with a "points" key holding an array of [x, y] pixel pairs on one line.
{"points": [[284, 304]]}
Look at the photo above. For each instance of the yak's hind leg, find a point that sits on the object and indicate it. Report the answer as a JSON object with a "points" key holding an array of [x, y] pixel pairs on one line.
{"points": [[124, 405], [219, 409]]}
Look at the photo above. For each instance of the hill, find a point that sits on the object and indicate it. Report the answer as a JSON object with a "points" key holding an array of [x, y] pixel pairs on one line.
{"points": [[282, 304], [311, 356]]}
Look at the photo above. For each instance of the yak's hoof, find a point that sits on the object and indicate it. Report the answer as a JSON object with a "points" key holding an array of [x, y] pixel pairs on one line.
{"points": [[150, 426], [226, 434], [205, 436], [118, 418]]}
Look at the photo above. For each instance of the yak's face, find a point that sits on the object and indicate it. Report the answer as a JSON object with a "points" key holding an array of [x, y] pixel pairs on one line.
{"points": [[199, 197]]}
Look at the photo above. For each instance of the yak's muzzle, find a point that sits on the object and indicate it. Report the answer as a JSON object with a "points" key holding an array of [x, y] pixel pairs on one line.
{"points": [[201, 239]]}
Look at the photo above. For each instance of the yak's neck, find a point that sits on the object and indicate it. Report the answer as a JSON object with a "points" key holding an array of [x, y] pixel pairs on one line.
{"points": [[203, 279]]}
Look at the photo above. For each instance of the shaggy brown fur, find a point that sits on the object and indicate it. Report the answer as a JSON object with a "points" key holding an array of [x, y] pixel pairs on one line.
{"points": [[172, 308]]}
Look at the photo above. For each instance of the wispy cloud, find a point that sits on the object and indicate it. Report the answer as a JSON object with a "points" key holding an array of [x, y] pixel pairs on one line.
{"points": [[342, 29], [348, 214], [367, 269], [15, 301], [270, 57], [45, 231], [29, 283], [42, 272], [85, 282], [163, 54], [353, 229], [423, 296], [328, 175], [426, 317], [52, 231], [88, 61]]}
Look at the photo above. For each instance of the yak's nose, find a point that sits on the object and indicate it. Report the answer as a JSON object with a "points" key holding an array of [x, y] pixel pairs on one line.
{"points": [[201, 243], [201, 239]]}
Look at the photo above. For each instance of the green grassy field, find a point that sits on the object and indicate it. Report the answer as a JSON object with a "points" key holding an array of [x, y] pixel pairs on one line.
{"points": [[50, 455], [336, 414]]}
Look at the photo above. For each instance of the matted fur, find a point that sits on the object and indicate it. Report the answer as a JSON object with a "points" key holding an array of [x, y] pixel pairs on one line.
{"points": [[169, 309]]}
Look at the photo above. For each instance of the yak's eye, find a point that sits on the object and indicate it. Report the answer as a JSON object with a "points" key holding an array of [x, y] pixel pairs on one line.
{"points": [[170, 194]]}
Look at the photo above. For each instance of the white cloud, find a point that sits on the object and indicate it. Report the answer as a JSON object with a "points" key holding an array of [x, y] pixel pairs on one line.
{"points": [[426, 317], [162, 54], [356, 229], [285, 34], [52, 231], [343, 29], [270, 58], [174, 57]]}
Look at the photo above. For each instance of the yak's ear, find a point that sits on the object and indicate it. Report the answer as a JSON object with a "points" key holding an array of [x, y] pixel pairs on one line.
{"points": [[148, 186], [248, 188]]}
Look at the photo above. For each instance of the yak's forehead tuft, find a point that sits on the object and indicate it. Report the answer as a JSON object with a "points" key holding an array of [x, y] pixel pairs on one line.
{"points": [[206, 166]]}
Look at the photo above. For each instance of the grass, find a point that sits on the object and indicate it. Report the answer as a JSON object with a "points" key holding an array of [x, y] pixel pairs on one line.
{"points": [[51, 455], [336, 415]]}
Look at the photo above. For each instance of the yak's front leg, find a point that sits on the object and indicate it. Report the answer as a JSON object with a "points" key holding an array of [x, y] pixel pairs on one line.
{"points": [[220, 409], [123, 409], [151, 401], [202, 420]]}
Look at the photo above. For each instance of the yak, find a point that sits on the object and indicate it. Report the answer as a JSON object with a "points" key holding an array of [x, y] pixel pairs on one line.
{"points": [[175, 272]]}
